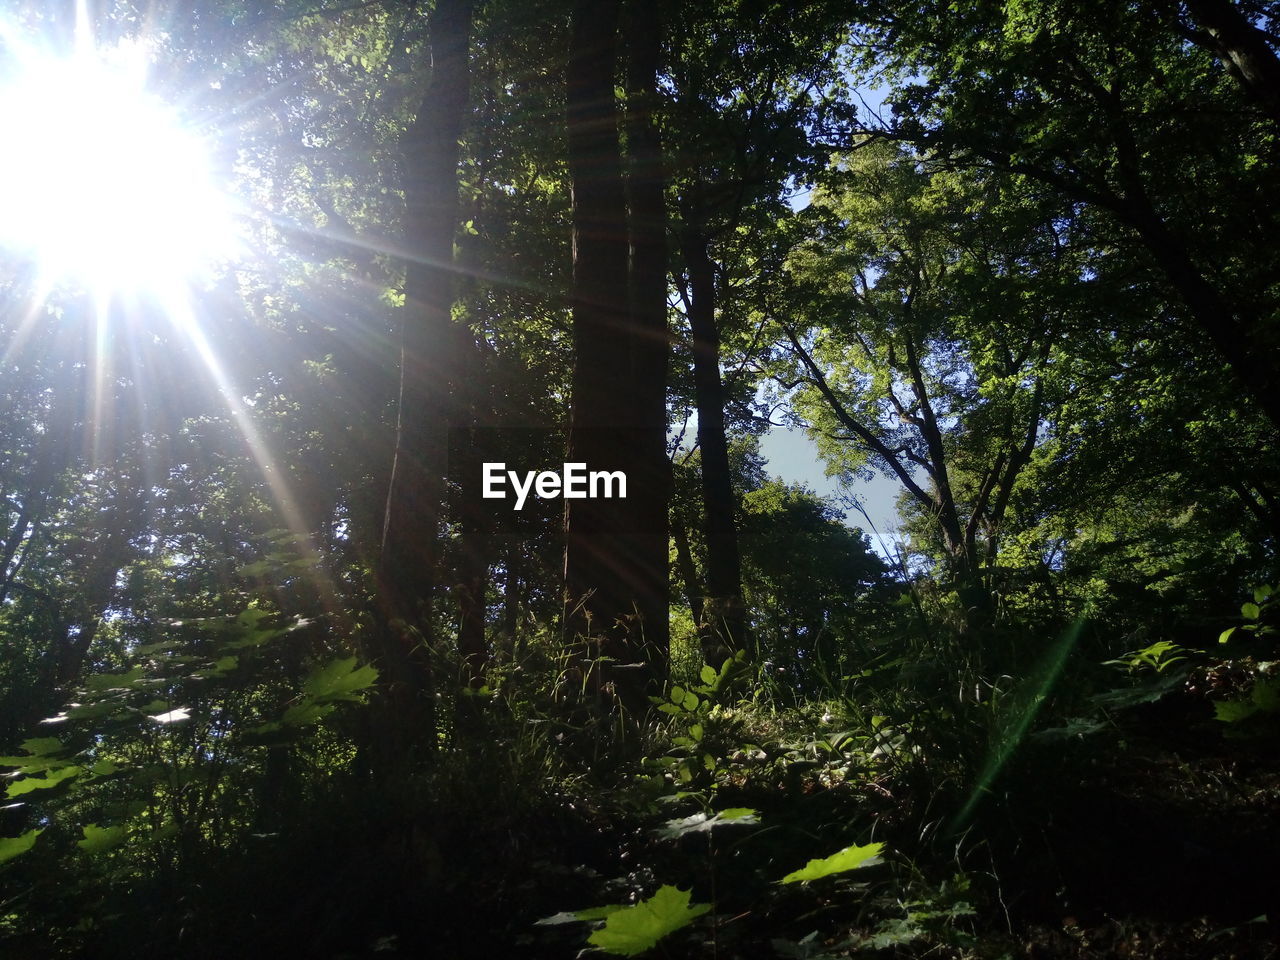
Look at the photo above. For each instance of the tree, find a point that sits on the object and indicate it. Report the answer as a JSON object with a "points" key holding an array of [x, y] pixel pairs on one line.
{"points": [[614, 594], [928, 312], [1113, 109], [437, 355], [746, 93]]}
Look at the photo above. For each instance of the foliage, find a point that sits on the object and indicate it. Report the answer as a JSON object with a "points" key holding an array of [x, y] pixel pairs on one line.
{"points": [[850, 858], [1034, 287], [632, 930]]}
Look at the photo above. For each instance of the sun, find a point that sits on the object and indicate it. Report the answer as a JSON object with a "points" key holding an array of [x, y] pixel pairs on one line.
{"points": [[102, 184]]}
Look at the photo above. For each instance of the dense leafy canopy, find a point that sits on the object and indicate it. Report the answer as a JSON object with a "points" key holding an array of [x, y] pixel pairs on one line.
{"points": [[277, 679]]}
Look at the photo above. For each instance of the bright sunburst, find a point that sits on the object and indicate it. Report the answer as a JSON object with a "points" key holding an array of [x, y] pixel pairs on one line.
{"points": [[100, 182]]}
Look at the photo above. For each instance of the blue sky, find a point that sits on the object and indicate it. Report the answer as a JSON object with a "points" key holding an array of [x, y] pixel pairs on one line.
{"points": [[793, 457]]}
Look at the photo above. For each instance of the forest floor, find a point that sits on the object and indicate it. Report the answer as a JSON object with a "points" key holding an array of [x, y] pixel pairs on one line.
{"points": [[1156, 838]]}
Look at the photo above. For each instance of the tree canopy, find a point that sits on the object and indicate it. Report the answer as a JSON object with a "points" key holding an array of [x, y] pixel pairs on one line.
{"points": [[311, 644]]}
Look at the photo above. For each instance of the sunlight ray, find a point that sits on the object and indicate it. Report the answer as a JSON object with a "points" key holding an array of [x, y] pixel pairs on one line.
{"points": [[181, 314], [101, 371], [36, 303]]}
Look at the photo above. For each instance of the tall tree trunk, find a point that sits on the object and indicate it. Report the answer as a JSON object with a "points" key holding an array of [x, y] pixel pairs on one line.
{"points": [[651, 345], [609, 565], [433, 351], [724, 626]]}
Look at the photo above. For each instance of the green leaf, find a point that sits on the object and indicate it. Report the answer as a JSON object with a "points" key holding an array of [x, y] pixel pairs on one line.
{"points": [[160, 646], [677, 694], [220, 667], [103, 768], [1261, 593], [92, 711], [636, 929], [255, 638], [1225, 635], [850, 858], [578, 916], [11, 847], [708, 673], [1233, 711], [691, 700], [97, 839], [1266, 695], [51, 779], [42, 746], [701, 823], [1250, 611], [251, 616], [339, 680], [29, 765], [115, 681], [306, 713]]}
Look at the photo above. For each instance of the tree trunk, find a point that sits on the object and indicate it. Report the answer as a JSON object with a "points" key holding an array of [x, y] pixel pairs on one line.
{"points": [[646, 185], [611, 597], [1243, 49], [723, 608], [433, 351], [688, 572]]}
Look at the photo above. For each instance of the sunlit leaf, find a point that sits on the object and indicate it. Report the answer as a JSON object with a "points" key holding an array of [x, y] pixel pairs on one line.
{"points": [[634, 930], [92, 711], [115, 681], [177, 715], [11, 847], [97, 839], [701, 823], [51, 779], [850, 858], [34, 764]]}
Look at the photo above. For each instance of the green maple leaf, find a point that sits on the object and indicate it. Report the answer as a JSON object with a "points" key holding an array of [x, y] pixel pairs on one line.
{"points": [[635, 929], [96, 838], [51, 779], [850, 858], [339, 680], [11, 847]]}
